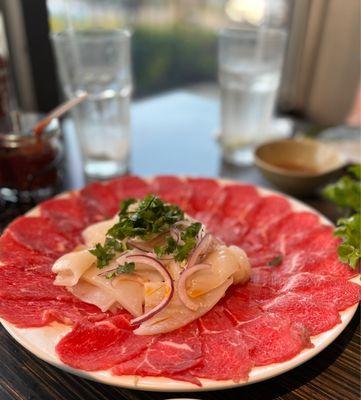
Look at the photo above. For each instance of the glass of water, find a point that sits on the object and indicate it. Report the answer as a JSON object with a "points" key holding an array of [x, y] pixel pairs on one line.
{"points": [[97, 61], [250, 62]]}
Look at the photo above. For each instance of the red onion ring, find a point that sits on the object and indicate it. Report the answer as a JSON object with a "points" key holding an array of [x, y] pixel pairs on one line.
{"points": [[182, 292], [201, 249], [149, 260], [138, 246]]}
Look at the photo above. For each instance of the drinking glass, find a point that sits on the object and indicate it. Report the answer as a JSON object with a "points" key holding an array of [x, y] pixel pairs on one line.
{"points": [[97, 61], [250, 62]]}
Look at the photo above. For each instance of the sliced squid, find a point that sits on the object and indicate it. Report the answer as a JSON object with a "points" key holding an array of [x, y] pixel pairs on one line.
{"points": [[71, 266], [224, 262], [92, 294], [176, 315], [95, 233], [127, 292]]}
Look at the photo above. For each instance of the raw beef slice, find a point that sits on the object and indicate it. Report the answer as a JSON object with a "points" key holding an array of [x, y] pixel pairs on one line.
{"points": [[65, 213], [317, 317], [171, 189], [94, 346], [167, 355], [273, 338], [225, 356], [40, 235], [34, 313], [128, 186]]}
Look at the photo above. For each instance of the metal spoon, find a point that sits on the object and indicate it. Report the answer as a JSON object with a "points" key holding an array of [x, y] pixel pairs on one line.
{"points": [[57, 112]]}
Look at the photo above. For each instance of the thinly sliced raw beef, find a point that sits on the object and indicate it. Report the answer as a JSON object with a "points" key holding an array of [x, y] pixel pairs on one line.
{"points": [[324, 289], [242, 311], [98, 201], [34, 313], [239, 201], [273, 338], [205, 193], [65, 213], [171, 189], [320, 262], [229, 230], [13, 253], [252, 293], [225, 356], [167, 355], [262, 257], [39, 234], [292, 230], [216, 320], [269, 277], [128, 186], [93, 346], [261, 220], [16, 283], [316, 316]]}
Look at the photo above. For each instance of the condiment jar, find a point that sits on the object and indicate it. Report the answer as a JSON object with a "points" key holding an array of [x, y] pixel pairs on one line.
{"points": [[29, 165]]}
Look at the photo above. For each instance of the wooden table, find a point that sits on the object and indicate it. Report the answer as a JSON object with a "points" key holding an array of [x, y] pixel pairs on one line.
{"points": [[168, 127]]}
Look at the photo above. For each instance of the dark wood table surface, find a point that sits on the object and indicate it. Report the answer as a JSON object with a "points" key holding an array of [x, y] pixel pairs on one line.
{"points": [[164, 130]]}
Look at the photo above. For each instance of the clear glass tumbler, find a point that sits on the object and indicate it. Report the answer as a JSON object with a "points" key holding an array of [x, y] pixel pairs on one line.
{"points": [[250, 63], [97, 61]]}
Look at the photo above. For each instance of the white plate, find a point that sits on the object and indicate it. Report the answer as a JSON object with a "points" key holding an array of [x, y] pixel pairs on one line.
{"points": [[42, 341]]}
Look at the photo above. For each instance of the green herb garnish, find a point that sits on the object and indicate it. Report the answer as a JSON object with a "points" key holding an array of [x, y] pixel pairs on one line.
{"points": [[148, 220], [349, 230], [105, 253], [275, 261], [126, 268], [181, 250], [346, 193], [151, 218]]}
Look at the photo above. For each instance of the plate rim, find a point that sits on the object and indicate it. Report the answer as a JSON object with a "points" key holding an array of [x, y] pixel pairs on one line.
{"points": [[162, 384]]}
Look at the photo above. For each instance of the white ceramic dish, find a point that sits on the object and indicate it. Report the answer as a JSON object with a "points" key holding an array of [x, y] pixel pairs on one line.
{"points": [[42, 341]]}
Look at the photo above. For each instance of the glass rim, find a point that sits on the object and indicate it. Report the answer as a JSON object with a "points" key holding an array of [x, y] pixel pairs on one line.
{"points": [[237, 33], [64, 35]]}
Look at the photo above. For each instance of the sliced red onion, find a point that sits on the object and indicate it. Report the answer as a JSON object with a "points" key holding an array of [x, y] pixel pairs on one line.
{"points": [[201, 249], [175, 234], [138, 245], [182, 291], [156, 264]]}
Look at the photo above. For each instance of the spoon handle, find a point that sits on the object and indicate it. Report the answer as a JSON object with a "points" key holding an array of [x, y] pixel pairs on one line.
{"points": [[57, 112]]}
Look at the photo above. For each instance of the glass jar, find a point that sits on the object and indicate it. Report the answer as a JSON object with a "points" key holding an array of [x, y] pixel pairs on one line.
{"points": [[30, 167]]}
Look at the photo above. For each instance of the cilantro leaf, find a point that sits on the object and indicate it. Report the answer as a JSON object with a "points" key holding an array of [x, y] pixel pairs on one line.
{"points": [[346, 192], [355, 170], [349, 230], [102, 254], [275, 261], [126, 268]]}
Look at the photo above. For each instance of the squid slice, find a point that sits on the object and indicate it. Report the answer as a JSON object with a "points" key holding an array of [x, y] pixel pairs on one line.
{"points": [[176, 315], [128, 293], [71, 266], [91, 294], [225, 262], [96, 233]]}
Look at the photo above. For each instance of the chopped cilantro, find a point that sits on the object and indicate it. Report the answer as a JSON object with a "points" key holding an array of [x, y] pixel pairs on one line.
{"points": [[180, 251], [150, 219], [349, 230], [126, 268], [275, 261], [105, 253], [346, 193]]}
